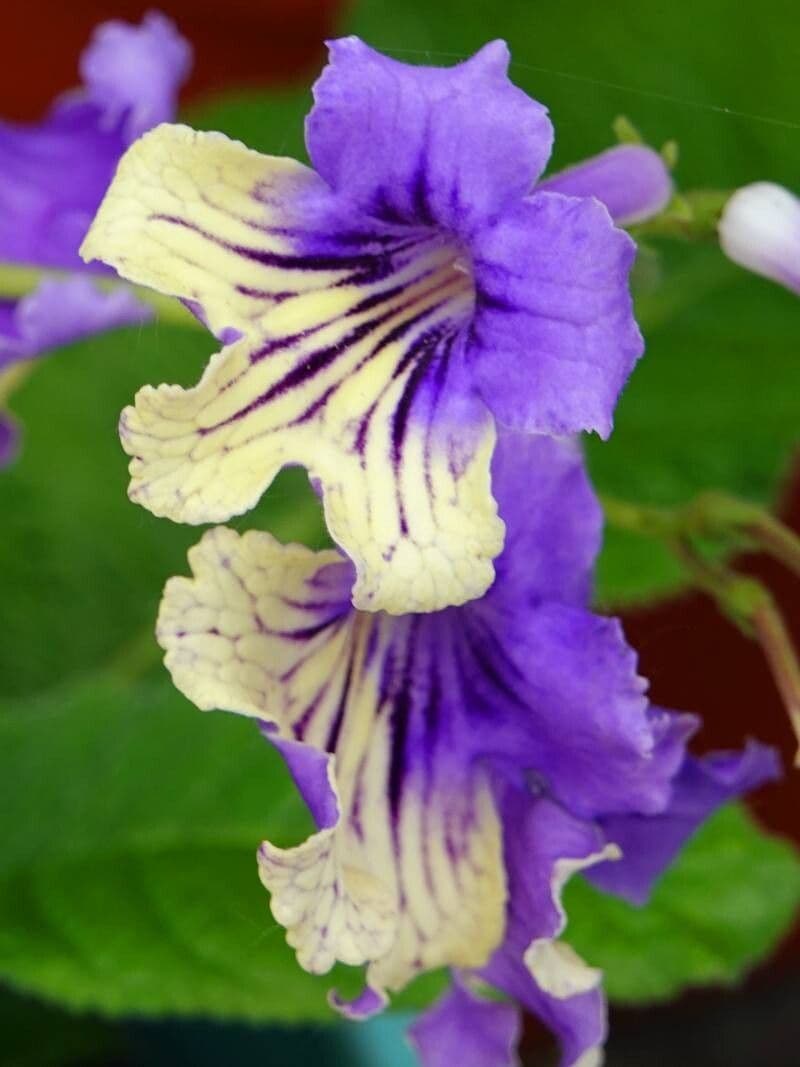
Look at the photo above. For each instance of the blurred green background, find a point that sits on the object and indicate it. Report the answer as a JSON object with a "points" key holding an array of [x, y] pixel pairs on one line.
{"points": [[129, 821]]}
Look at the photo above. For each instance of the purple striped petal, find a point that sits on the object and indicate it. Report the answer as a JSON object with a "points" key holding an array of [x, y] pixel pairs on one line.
{"points": [[460, 766], [380, 319], [425, 145], [631, 180], [409, 876], [408, 720], [349, 363]]}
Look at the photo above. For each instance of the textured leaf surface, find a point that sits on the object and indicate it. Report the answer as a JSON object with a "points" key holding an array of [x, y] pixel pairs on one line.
{"points": [[82, 568], [128, 881]]}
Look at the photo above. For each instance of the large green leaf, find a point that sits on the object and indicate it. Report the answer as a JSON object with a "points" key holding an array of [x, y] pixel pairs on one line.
{"points": [[128, 879], [82, 568], [720, 909]]}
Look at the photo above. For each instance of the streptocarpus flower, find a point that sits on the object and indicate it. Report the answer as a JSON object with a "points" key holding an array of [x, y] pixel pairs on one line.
{"points": [[760, 230], [459, 765], [380, 316], [53, 177]]}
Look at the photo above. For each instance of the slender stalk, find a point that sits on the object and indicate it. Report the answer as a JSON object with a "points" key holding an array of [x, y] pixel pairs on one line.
{"points": [[714, 515], [744, 600], [780, 654], [690, 216]]}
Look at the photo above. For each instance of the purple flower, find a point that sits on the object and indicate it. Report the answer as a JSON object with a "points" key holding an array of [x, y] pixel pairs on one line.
{"points": [[459, 765], [54, 175], [760, 230], [381, 315]]}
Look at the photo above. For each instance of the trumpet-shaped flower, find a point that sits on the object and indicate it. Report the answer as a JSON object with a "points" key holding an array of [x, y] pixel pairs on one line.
{"points": [[53, 177], [460, 765], [381, 315]]}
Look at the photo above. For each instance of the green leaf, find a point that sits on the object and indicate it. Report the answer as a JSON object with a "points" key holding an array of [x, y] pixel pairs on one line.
{"points": [[714, 403], [128, 880], [719, 910], [82, 568], [128, 883]]}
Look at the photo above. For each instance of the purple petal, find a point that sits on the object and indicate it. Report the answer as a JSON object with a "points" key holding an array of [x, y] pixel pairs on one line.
{"points": [[425, 145], [405, 872], [368, 1003], [465, 1030], [559, 689], [9, 439], [554, 523], [579, 1023], [539, 835], [133, 73], [544, 844], [53, 174], [649, 845], [43, 215], [553, 338], [309, 769], [631, 180], [60, 312]]}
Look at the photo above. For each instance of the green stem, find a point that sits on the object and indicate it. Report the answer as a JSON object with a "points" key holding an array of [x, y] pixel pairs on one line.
{"points": [[713, 515], [17, 281], [744, 600], [690, 216]]}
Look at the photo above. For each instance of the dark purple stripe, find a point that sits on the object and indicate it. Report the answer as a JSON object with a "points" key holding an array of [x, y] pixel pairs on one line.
{"points": [[336, 725]]}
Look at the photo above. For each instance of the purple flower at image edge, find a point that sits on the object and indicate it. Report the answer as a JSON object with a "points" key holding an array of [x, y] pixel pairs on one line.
{"points": [[54, 174]]}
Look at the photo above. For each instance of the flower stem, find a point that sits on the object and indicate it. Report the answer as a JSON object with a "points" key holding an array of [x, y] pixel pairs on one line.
{"points": [[17, 281], [743, 599], [689, 216], [713, 515]]}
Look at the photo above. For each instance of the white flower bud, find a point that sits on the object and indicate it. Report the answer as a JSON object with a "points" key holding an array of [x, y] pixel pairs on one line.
{"points": [[760, 230]]}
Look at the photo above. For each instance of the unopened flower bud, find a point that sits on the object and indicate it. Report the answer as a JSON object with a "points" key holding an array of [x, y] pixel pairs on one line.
{"points": [[760, 230]]}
